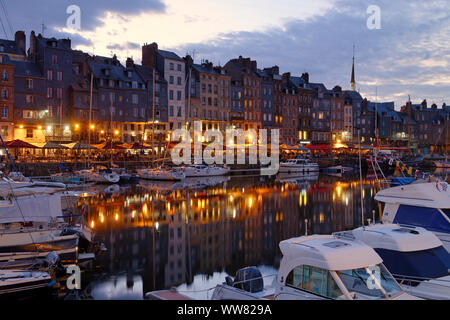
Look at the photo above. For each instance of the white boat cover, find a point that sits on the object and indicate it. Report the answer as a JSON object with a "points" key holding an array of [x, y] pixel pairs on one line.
{"points": [[429, 195], [38, 208]]}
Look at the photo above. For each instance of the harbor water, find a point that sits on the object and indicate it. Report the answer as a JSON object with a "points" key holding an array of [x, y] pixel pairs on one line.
{"points": [[161, 235]]}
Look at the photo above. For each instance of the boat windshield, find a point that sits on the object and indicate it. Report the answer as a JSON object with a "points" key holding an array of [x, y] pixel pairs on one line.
{"points": [[425, 264], [446, 212], [373, 282]]}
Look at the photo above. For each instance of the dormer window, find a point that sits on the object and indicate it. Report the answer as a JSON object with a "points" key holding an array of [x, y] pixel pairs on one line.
{"points": [[130, 74], [2, 48], [106, 72]]}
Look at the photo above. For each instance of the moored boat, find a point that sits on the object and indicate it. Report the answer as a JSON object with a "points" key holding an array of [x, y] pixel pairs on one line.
{"points": [[414, 256], [425, 205], [175, 174], [299, 165], [203, 170]]}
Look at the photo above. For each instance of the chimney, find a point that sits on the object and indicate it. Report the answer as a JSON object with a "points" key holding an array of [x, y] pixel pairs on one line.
{"points": [[32, 49], [20, 40], [305, 77], [424, 104], [149, 53], [253, 65], [130, 63], [286, 77]]}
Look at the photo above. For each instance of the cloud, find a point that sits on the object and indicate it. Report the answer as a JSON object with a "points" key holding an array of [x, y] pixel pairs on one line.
{"points": [[28, 15], [410, 52]]}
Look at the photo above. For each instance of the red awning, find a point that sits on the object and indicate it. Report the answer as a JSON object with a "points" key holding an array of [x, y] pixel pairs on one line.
{"points": [[323, 147], [19, 144]]}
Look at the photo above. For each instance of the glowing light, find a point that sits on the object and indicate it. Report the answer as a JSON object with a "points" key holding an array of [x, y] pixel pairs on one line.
{"points": [[231, 198], [145, 208], [234, 213], [66, 128], [157, 225], [339, 190], [92, 126], [116, 217], [116, 132], [21, 126], [92, 224], [133, 213], [102, 131], [39, 127], [101, 218], [250, 202], [77, 126]]}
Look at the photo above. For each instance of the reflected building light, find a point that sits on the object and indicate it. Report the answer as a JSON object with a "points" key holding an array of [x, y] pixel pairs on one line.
{"points": [[339, 190], [157, 225], [116, 217], [234, 213], [92, 224]]}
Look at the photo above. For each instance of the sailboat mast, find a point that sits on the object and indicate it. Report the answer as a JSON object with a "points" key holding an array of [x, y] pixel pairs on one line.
{"points": [[90, 119], [409, 125], [153, 113]]}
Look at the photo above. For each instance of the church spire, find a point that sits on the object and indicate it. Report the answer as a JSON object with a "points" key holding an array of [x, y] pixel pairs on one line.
{"points": [[352, 82]]}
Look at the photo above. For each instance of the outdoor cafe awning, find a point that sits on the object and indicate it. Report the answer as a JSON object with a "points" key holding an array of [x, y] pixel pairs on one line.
{"points": [[109, 145], [78, 146], [319, 147], [50, 145], [19, 144]]}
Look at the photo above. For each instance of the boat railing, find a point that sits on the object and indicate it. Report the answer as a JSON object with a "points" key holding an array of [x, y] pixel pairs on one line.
{"points": [[344, 235], [255, 278], [413, 283]]}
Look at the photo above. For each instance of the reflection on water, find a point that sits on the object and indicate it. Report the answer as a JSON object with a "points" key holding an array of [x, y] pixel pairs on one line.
{"points": [[192, 234]]}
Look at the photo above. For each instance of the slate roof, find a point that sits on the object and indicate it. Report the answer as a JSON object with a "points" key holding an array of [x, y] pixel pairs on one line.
{"points": [[24, 68], [203, 69], [116, 70], [169, 55], [11, 47]]}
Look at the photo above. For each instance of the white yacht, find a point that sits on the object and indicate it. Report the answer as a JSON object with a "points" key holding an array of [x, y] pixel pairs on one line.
{"points": [[425, 205], [31, 219], [299, 165], [172, 174], [203, 170], [98, 176], [318, 267], [414, 256]]}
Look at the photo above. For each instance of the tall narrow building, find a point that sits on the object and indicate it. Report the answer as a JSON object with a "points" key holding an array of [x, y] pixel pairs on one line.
{"points": [[352, 81]]}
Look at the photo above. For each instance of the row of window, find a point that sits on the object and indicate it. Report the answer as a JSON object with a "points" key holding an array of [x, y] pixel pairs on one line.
{"points": [[172, 66]]}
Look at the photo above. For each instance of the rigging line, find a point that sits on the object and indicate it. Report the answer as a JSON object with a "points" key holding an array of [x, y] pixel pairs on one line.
{"points": [[7, 17], [4, 30], [12, 191]]}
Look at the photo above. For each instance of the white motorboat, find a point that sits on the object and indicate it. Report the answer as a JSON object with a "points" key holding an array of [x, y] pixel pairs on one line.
{"points": [[414, 256], [174, 174], [13, 282], [203, 170], [98, 176], [442, 164], [299, 165], [318, 267], [425, 205], [31, 217]]}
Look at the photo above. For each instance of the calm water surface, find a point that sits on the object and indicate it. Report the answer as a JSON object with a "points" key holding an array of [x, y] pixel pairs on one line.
{"points": [[191, 235]]}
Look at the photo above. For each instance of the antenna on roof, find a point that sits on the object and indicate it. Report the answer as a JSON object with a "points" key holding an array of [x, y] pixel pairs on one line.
{"points": [[43, 27]]}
